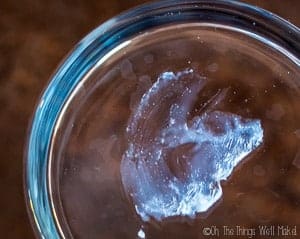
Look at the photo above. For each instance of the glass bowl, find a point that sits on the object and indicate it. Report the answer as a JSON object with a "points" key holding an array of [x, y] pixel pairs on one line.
{"points": [[209, 89]]}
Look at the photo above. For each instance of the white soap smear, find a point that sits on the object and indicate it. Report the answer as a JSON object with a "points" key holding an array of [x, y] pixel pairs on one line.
{"points": [[141, 234], [174, 164]]}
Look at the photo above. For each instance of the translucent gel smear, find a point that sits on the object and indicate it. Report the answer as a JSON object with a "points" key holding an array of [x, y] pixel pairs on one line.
{"points": [[174, 162]]}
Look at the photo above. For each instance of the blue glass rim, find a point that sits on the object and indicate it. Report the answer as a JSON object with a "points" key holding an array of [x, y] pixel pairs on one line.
{"points": [[99, 42]]}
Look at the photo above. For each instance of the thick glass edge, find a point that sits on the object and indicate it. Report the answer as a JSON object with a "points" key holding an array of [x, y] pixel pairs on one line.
{"points": [[270, 19], [53, 98]]}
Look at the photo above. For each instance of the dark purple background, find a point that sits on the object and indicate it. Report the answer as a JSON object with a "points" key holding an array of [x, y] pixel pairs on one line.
{"points": [[34, 36]]}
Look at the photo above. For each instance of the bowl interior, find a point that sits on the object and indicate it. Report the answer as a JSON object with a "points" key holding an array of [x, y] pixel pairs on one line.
{"points": [[90, 138]]}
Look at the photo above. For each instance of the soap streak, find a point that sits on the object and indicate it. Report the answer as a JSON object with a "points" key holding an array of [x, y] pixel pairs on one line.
{"points": [[174, 163]]}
